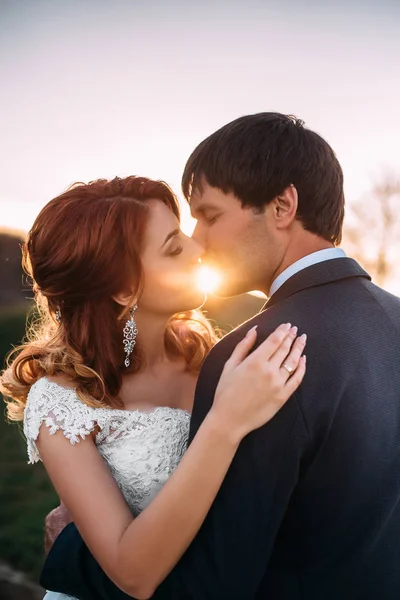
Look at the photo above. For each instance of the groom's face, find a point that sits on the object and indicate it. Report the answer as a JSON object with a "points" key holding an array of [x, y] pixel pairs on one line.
{"points": [[240, 241]]}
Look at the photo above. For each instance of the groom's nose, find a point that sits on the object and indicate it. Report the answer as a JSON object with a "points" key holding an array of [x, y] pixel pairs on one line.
{"points": [[197, 250], [199, 236]]}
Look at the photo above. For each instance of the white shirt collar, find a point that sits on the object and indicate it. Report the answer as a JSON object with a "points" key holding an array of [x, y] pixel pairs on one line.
{"points": [[303, 263]]}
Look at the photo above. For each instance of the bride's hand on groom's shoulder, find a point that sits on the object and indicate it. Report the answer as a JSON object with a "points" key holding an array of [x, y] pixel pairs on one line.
{"points": [[55, 522], [254, 387]]}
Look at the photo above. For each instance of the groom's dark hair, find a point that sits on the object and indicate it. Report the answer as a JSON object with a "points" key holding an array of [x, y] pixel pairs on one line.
{"points": [[256, 157]]}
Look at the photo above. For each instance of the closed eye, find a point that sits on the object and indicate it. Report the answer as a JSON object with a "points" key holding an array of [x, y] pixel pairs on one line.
{"points": [[176, 252], [211, 220]]}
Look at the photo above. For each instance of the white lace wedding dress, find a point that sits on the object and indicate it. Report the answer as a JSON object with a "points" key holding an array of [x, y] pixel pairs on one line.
{"points": [[140, 448]]}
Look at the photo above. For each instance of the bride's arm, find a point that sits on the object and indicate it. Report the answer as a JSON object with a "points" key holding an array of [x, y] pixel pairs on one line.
{"points": [[137, 554]]}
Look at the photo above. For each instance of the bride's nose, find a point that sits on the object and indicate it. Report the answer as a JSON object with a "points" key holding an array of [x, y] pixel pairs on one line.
{"points": [[197, 250]]}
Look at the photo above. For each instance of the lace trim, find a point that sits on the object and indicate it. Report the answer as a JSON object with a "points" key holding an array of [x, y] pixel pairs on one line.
{"points": [[59, 408]]}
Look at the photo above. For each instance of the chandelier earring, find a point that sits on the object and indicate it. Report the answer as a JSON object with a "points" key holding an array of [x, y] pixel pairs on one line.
{"points": [[130, 333]]}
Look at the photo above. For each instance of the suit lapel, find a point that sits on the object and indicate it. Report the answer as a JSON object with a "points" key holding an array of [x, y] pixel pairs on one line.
{"points": [[315, 275]]}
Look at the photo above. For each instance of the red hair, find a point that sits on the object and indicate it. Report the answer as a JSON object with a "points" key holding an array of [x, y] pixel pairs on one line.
{"points": [[83, 248]]}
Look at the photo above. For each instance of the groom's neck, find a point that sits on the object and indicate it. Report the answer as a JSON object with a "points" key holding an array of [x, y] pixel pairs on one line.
{"points": [[299, 246]]}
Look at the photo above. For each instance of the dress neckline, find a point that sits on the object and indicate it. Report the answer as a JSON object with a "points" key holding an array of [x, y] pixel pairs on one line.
{"points": [[109, 410]]}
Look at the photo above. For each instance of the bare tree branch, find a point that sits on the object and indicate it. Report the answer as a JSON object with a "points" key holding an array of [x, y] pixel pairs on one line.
{"points": [[372, 233]]}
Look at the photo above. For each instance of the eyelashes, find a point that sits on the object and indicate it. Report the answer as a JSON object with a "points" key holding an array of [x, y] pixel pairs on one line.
{"points": [[211, 220], [176, 252]]}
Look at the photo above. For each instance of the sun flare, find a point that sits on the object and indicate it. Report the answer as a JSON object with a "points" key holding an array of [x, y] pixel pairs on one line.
{"points": [[208, 279]]}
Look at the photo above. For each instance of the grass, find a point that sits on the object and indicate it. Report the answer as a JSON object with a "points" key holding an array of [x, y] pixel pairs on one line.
{"points": [[26, 494]]}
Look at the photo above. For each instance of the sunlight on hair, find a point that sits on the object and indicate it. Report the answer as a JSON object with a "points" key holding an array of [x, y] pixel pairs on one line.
{"points": [[208, 279]]}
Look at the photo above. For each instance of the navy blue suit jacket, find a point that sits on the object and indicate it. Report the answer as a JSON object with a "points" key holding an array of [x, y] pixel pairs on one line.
{"points": [[310, 508]]}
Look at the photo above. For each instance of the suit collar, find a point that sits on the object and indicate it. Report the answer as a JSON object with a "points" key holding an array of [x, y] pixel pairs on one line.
{"points": [[318, 274]]}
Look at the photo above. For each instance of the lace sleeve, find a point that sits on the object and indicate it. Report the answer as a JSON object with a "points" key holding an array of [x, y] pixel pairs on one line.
{"points": [[58, 408]]}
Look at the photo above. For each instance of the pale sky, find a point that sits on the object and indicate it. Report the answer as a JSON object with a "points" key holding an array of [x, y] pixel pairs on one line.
{"points": [[93, 88]]}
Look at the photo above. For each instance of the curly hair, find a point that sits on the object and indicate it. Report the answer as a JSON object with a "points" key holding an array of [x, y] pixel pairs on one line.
{"points": [[83, 247]]}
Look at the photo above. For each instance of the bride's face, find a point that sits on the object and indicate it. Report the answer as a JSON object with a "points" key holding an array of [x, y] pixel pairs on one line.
{"points": [[170, 261]]}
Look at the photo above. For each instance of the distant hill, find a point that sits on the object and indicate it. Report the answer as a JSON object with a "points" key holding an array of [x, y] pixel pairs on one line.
{"points": [[14, 289]]}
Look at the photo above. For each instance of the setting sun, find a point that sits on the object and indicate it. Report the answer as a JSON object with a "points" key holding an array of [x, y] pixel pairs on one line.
{"points": [[208, 279]]}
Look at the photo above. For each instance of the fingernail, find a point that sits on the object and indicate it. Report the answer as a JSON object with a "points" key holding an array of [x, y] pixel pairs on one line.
{"points": [[303, 338], [286, 326], [294, 330], [252, 329], [304, 358]]}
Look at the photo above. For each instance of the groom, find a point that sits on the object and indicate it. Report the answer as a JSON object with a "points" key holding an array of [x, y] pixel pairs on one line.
{"points": [[310, 508]]}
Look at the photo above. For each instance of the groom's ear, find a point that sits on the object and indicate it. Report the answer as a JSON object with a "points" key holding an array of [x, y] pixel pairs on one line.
{"points": [[284, 207]]}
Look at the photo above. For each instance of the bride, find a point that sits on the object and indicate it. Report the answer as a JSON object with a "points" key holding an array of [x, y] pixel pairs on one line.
{"points": [[105, 383]]}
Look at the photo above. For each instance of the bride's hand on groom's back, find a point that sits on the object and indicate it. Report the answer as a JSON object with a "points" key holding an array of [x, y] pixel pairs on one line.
{"points": [[254, 387]]}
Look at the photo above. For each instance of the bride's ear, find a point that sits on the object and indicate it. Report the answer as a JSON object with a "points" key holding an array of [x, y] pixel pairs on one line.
{"points": [[285, 207], [125, 299]]}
